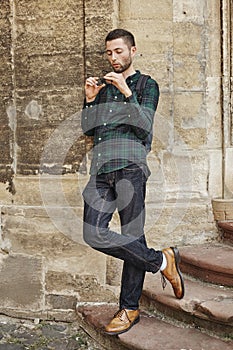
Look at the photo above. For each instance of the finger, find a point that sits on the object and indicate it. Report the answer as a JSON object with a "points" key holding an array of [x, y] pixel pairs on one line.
{"points": [[101, 87], [91, 81], [108, 81], [109, 77]]}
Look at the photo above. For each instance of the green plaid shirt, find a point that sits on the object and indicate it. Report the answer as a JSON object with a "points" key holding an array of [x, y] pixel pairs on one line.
{"points": [[120, 126]]}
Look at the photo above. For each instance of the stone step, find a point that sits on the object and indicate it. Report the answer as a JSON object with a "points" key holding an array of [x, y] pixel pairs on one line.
{"points": [[204, 305], [211, 263], [227, 231], [149, 334]]}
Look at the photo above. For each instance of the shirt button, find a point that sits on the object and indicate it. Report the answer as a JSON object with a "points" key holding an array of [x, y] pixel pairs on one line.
{"points": [[115, 97], [110, 110], [100, 138], [105, 124], [129, 115], [125, 103], [99, 154]]}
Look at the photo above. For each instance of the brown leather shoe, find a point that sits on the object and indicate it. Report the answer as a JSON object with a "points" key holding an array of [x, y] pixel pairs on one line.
{"points": [[172, 272], [122, 321]]}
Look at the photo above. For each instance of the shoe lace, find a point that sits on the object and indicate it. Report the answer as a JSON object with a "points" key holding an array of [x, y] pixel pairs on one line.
{"points": [[163, 281], [120, 314]]}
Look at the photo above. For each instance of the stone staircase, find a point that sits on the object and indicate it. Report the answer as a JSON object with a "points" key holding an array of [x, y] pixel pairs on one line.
{"points": [[202, 320]]}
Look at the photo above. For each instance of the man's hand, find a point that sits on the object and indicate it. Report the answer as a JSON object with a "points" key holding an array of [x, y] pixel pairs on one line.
{"points": [[92, 89], [118, 80]]}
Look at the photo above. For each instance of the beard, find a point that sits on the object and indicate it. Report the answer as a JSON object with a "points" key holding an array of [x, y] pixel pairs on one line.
{"points": [[123, 66]]}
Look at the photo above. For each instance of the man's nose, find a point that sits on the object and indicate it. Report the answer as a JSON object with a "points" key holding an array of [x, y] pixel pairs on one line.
{"points": [[113, 56]]}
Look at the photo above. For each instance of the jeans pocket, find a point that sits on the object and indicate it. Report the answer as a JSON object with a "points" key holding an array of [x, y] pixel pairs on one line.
{"points": [[136, 170]]}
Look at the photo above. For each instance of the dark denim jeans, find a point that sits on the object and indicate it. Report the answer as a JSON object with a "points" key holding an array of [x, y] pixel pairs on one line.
{"points": [[123, 190]]}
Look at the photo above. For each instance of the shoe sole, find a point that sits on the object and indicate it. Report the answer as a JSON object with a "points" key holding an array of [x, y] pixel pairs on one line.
{"points": [[125, 330], [177, 262]]}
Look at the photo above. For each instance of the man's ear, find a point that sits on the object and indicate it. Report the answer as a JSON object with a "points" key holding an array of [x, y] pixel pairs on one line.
{"points": [[133, 50]]}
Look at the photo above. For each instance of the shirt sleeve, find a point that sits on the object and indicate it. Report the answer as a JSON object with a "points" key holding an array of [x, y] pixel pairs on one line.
{"points": [[88, 118], [142, 115]]}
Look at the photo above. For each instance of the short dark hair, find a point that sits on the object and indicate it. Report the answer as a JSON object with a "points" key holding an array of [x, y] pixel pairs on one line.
{"points": [[121, 33]]}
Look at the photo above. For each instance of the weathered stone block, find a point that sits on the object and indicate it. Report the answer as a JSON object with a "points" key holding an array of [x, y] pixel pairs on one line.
{"points": [[63, 191], [141, 10], [5, 88], [43, 35], [64, 302], [40, 58], [102, 7], [163, 129], [5, 155], [213, 63], [188, 11], [39, 8], [162, 73], [190, 124], [6, 77], [5, 35], [228, 171], [21, 282], [213, 111], [47, 190], [31, 142], [215, 174], [83, 287], [184, 174], [188, 73], [161, 237], [184, 34], [32, 230], [5, 9], [47, 71], [56, 235], [157, 39]]}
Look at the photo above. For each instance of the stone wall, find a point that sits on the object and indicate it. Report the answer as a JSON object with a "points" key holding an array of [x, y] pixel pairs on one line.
{"points": [[6, 91], [179, 44], [48, 48]]}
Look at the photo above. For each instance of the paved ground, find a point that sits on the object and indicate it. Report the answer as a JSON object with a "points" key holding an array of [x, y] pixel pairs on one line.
{"points": [[28, 335]]}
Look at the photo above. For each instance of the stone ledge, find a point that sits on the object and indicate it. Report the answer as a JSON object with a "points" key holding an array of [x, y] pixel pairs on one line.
{"points": [[209, 262], [51, 190], [206, 306], [149, 334]]}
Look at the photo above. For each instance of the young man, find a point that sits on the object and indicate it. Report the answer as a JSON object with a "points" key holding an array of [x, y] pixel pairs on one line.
{"points": [[121, 124]]}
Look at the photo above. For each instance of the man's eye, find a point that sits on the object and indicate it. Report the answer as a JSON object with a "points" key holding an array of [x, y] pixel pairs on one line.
{"points": [[119, 51], [109, 53]]}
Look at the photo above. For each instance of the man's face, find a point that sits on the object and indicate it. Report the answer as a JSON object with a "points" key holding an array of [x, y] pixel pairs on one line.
{"points": [[119, 54]]}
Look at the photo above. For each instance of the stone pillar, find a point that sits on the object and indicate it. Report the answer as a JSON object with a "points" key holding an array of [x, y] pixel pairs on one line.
{"points": [[49, 70], [7, 125], [47, 50], [178, 45]]}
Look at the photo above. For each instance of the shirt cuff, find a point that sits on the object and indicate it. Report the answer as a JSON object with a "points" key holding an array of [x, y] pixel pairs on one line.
{"points": [[130, 99], [88, 104]]}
